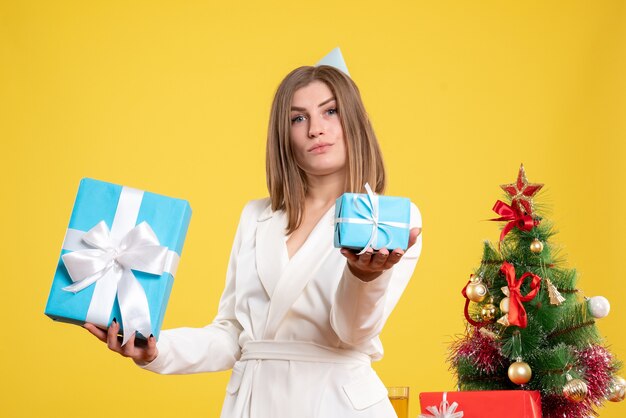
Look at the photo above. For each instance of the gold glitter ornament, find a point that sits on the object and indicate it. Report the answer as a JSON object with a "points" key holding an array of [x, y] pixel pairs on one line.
{"points": [[536, 246], [504, 305], [520, 372], [575, 389], [488, 312], [504, 321], [555, 296], [476, 291], [618, 389]]}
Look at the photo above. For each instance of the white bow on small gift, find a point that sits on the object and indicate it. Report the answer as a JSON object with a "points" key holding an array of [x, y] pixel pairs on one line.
{"points": [[445, 410], [112, 262], [370, 216]]}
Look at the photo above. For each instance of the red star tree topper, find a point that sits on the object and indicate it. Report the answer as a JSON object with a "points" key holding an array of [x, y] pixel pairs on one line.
{"points": [[521, 192]]}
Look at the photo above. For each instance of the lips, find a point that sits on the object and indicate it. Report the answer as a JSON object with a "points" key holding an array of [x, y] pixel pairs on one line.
{"points": [[320, 147]]}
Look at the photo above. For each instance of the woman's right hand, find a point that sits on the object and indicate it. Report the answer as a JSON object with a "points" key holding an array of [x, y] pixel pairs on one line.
{"points": [[141, 354]]}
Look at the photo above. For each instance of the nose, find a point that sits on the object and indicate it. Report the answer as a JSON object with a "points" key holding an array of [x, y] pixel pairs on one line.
{"points": [[316, 127]]}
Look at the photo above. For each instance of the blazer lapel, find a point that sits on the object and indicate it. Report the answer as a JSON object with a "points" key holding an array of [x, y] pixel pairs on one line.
{"points": [[298, 271], [271, 255]]}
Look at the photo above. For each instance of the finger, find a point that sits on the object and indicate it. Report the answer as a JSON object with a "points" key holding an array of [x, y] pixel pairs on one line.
{"points": [[415, 232], [112, 341], [97, 332], [151, 349], [128, 349], [349, 255], [379, 259], [365, 258], [394, 257]]}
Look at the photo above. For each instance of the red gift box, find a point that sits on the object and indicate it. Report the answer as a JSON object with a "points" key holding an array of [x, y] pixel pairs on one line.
{"points": [[487, 403]]}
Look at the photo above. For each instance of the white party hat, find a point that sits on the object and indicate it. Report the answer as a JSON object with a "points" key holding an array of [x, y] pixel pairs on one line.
{"points": [[334, 59]]}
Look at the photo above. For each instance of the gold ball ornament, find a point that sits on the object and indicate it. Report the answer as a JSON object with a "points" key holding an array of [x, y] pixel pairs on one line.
{"points": [[504, 305], [618, 390], [520, 372], [536, 246], [488, 312], [575, 389], [476, 291]]}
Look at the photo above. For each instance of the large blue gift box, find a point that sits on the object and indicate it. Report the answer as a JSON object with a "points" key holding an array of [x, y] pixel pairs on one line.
{"points": [[119, 258], [369, 220]]}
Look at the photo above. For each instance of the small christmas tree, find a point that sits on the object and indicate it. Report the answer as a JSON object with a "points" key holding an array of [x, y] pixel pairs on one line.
{"points": [[529, 327]]}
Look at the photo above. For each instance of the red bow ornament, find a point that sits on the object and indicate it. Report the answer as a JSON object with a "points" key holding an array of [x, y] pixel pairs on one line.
{"points": [[515, 217], [517, 313]]}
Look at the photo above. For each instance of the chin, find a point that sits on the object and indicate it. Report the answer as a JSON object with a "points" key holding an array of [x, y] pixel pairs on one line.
{"points": [[323, 166], [324, 171]]}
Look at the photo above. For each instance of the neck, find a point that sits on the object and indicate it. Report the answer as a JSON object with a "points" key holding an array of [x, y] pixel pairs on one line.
{"points": [[322, 191]]}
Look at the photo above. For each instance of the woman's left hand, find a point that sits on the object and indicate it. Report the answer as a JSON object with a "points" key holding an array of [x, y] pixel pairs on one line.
{"points": [[370, 265]]}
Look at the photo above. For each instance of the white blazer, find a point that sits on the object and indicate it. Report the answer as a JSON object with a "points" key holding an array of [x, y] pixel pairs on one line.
{"points": [[299, 333]]}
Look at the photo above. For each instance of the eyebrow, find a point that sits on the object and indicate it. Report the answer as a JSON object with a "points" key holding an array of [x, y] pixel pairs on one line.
{"points": [[301, 109]]}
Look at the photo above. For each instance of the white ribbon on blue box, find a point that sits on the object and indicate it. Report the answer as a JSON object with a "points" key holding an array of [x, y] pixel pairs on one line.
{"points": [[369, 220], [119, 258]]}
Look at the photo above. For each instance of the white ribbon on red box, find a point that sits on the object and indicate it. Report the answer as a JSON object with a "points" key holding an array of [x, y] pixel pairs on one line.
{"points": [[445, 410]]}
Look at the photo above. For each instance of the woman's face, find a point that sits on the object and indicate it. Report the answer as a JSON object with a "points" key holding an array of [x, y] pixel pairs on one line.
{"points": [[316, 133]]}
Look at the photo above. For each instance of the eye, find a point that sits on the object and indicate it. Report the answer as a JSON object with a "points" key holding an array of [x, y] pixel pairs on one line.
{"points": [[298, 119], [332, 111]]}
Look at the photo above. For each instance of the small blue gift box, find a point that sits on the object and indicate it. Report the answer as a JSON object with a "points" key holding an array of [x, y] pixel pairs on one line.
{"points": [[369, 220], [119, 258]]}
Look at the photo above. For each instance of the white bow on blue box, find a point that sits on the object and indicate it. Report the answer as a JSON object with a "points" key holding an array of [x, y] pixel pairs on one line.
{"points": [[371, 221], [119, 258]]}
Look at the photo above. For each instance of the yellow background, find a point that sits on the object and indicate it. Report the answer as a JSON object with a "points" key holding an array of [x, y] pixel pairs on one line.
{"points": [[173, 97]]}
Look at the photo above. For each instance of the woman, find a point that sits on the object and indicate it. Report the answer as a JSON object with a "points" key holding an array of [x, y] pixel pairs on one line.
{"points": [[299, 320]]}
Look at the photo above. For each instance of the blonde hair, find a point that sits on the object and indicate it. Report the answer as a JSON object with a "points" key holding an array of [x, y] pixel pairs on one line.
{"points": [[286, 182]]}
